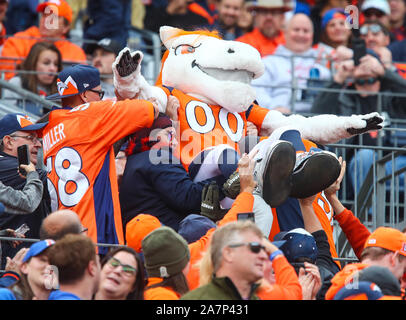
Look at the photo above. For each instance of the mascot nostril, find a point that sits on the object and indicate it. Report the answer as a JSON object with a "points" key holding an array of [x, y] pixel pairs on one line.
{"points": [[230, 50]]}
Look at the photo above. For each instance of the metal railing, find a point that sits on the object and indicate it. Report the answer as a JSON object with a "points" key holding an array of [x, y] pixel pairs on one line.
{"points": [[374, 202], [380, 199]]}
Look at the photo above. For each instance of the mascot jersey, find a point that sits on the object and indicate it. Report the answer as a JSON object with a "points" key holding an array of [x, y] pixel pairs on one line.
{"points": [[204, 126], [79, 156]]}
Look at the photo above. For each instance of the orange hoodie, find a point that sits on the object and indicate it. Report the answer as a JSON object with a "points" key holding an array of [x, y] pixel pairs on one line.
{"points": [[264, 45], [356, 233], [343, 278], [287, 286], [19, 45], [159, 293]]}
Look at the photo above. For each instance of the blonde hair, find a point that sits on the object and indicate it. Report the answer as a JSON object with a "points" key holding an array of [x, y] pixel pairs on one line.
{"points": [[221, 238]]}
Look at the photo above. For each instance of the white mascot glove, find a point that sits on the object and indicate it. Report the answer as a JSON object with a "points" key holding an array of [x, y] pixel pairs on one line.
{"points": [[127, 73], [371, 121]]}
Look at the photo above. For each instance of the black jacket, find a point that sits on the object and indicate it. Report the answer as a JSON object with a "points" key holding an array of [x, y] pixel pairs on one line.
{"points": [[159, 188], [347, 104], [10, 177], [327, 267]]}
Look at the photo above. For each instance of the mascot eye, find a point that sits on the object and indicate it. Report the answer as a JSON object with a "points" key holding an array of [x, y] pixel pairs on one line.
{"points": [[184, 49]]}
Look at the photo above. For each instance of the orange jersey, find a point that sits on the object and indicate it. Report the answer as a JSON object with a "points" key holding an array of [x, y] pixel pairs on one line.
{"points": [[322, 209], [78, 152], [19, 45], [264, 45], [203, 126], [324, 212]]}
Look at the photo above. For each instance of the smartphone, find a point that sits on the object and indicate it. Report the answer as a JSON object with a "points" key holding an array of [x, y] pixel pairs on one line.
{"points": [[23, 156], [297, 266], [23, 229], [246, 216], [358, 46]]}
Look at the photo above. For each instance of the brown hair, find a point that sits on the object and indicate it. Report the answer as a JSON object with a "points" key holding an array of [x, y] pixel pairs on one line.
{"points": [[377, 253], [137, 293], [71, 255], [30, 81], [227, 234]]}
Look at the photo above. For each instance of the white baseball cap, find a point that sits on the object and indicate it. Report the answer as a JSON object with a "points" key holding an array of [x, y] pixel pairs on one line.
{"points": [[381, 5]]}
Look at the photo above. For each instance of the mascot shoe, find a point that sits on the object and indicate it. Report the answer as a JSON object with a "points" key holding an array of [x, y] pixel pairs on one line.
{"points": [[314, 171], [273, 173]]}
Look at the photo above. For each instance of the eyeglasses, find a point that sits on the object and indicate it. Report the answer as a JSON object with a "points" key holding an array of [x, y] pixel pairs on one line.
{"points": [[31, 138], [374, 28], [362, 82], [255, 247], [99, 92], [128, 270]]}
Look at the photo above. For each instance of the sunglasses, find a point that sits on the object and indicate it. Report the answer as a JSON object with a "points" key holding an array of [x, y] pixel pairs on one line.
{"points": [[255, 247], [376, 13], [99, 92], [374, 28], [362, 82], [128, 270]]}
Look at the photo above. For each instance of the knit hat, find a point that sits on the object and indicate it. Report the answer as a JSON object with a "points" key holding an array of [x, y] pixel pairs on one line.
{"points": [[166, 253], [383, 278], [363, 290], [139, 227], [389, 239], [140, 141]]}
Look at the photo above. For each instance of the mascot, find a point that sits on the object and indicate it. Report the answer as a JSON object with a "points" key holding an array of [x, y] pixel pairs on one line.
{"points": [[210, 78]]}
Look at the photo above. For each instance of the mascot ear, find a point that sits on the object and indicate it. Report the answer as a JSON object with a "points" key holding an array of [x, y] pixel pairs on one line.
{"points": [[168, 34]]}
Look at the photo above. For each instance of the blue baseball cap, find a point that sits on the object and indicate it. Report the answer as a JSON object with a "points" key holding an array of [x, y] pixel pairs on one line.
{"points": [[332, 14], [75, 80], [37, 248], [195, 226], [13, 122], [363, 289], [299, 244]]}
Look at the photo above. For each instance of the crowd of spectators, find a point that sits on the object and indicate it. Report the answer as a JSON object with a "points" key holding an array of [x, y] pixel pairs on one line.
{"points": [[176, 240]]}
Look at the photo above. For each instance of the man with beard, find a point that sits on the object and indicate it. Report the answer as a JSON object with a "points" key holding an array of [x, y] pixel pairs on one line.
{"points": [[229, 12]]}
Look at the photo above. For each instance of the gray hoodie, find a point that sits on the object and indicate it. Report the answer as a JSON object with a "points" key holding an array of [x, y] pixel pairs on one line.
{"points": [[22, 201], [274, 87]]}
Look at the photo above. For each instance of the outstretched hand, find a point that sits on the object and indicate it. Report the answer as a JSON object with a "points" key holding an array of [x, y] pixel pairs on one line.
{"points": [[333, 189], [127, 64], [246, 167], [372, 123]]}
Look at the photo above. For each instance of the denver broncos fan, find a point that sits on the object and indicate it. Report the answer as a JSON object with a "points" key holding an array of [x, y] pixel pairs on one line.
{"points": [[78, 150]]}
